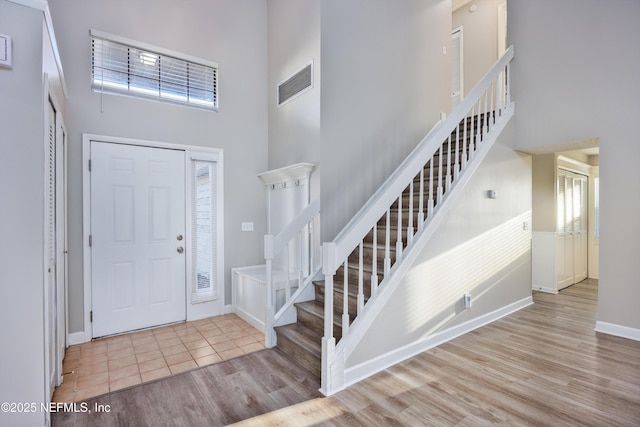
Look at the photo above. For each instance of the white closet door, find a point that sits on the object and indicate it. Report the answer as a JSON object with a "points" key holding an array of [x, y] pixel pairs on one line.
{"points": [[50, 248], [571, 232], [580, 238]]}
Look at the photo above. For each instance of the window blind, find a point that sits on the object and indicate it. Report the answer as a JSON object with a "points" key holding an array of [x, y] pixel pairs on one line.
{"points": [[144, 71], [203, 233]]}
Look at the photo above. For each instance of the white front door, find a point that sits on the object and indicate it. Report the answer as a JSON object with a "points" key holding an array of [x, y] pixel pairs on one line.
{"points": [[137, 237]]}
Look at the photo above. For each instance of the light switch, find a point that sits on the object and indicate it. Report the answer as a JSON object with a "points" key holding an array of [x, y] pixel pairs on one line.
{"points": [[5, 51], [247, 226]]}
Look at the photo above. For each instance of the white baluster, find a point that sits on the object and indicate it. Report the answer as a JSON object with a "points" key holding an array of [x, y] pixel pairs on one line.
{"points": [[508, 79], [269, 337], [485, 128], [374, 263], [399, 231], [421, 202], [440, 192], [500, 93], [431, 204], [410, 222], [345, 300], [287, 285], [300, 250], [312, 265], [464, 143], [492, 115], [387, 243], [328, 306], [456, 169], [478, 125], [360, 280], [448, 180]]}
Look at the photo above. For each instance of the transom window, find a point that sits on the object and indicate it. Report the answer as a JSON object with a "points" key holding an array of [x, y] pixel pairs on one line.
{"points": [[125, 67]]}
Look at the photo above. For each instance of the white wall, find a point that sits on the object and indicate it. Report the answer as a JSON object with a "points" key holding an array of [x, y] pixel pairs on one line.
{"points": [[22, 215], [481, 247], [384, 82], [231, 33], [294, 128], [574, 78]]}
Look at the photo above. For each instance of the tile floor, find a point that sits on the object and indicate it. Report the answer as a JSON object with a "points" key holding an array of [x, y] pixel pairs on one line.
{"points": [[109, 364]]}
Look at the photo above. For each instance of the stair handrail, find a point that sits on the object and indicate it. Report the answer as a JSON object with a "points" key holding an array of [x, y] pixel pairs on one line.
{"points": [[274, 245], [496, 82]]}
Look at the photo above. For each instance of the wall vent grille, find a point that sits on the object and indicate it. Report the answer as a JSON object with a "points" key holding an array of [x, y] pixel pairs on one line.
{"points": [[296, 85]]}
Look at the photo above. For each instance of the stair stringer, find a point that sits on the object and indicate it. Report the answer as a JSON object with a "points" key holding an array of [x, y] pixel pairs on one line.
{"points": [[337, 380]]}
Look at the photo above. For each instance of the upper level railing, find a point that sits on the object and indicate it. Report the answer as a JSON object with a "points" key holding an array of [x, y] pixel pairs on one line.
{"points": [[292, 256], [371, 246]]}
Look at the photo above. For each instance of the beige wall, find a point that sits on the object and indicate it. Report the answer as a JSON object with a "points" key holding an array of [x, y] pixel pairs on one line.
{"points": [[544, 196], [480, 38]]}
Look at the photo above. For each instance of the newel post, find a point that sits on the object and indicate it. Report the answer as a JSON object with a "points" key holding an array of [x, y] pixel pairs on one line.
{"points": [[270, 335], [329, 268]]}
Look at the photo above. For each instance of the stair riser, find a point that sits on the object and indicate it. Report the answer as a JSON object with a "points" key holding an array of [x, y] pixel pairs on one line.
{"points": [[300, 355], [316, 324]]}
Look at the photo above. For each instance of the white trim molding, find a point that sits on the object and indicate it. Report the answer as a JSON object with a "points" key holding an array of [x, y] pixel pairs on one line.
{"points": [[618, 330], [364, 370]]}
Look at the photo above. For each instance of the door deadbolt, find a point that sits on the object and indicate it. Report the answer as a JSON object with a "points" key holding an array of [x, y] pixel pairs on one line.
{"points": [[179, 237], [180, 249]]}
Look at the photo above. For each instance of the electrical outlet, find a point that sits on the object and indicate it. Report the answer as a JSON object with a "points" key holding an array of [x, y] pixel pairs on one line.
{"points": [[467, 300], [247, 226]]}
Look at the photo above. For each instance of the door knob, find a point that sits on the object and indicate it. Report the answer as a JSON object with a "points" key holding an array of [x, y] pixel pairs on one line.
{"points": [[179, 237], [180, 249]]}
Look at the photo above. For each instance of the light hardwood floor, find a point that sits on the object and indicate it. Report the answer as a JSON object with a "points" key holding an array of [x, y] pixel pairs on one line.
{"points": [[543, 365]]}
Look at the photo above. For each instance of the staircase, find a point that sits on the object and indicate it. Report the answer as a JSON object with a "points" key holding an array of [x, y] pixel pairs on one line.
{"points": [[301, 341], [368, 259]]}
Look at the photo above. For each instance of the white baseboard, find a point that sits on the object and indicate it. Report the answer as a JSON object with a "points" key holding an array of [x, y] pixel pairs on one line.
{"points": [[364, 370], [544, 289], [618, 330], [250, 319], [228, 309], [77, 338]]}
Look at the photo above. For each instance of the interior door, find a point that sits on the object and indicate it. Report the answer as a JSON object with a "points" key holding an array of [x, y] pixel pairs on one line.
{"points": [[580, 236], [50, 284], [457, 77], [564, 239], [571, 261], [137, 237]]}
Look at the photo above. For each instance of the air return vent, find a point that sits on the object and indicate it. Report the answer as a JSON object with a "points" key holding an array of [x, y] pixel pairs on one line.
{"points": [[296, 85]]}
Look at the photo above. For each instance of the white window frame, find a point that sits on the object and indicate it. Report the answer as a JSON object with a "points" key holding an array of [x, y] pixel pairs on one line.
{"points": [[142, 93]]}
